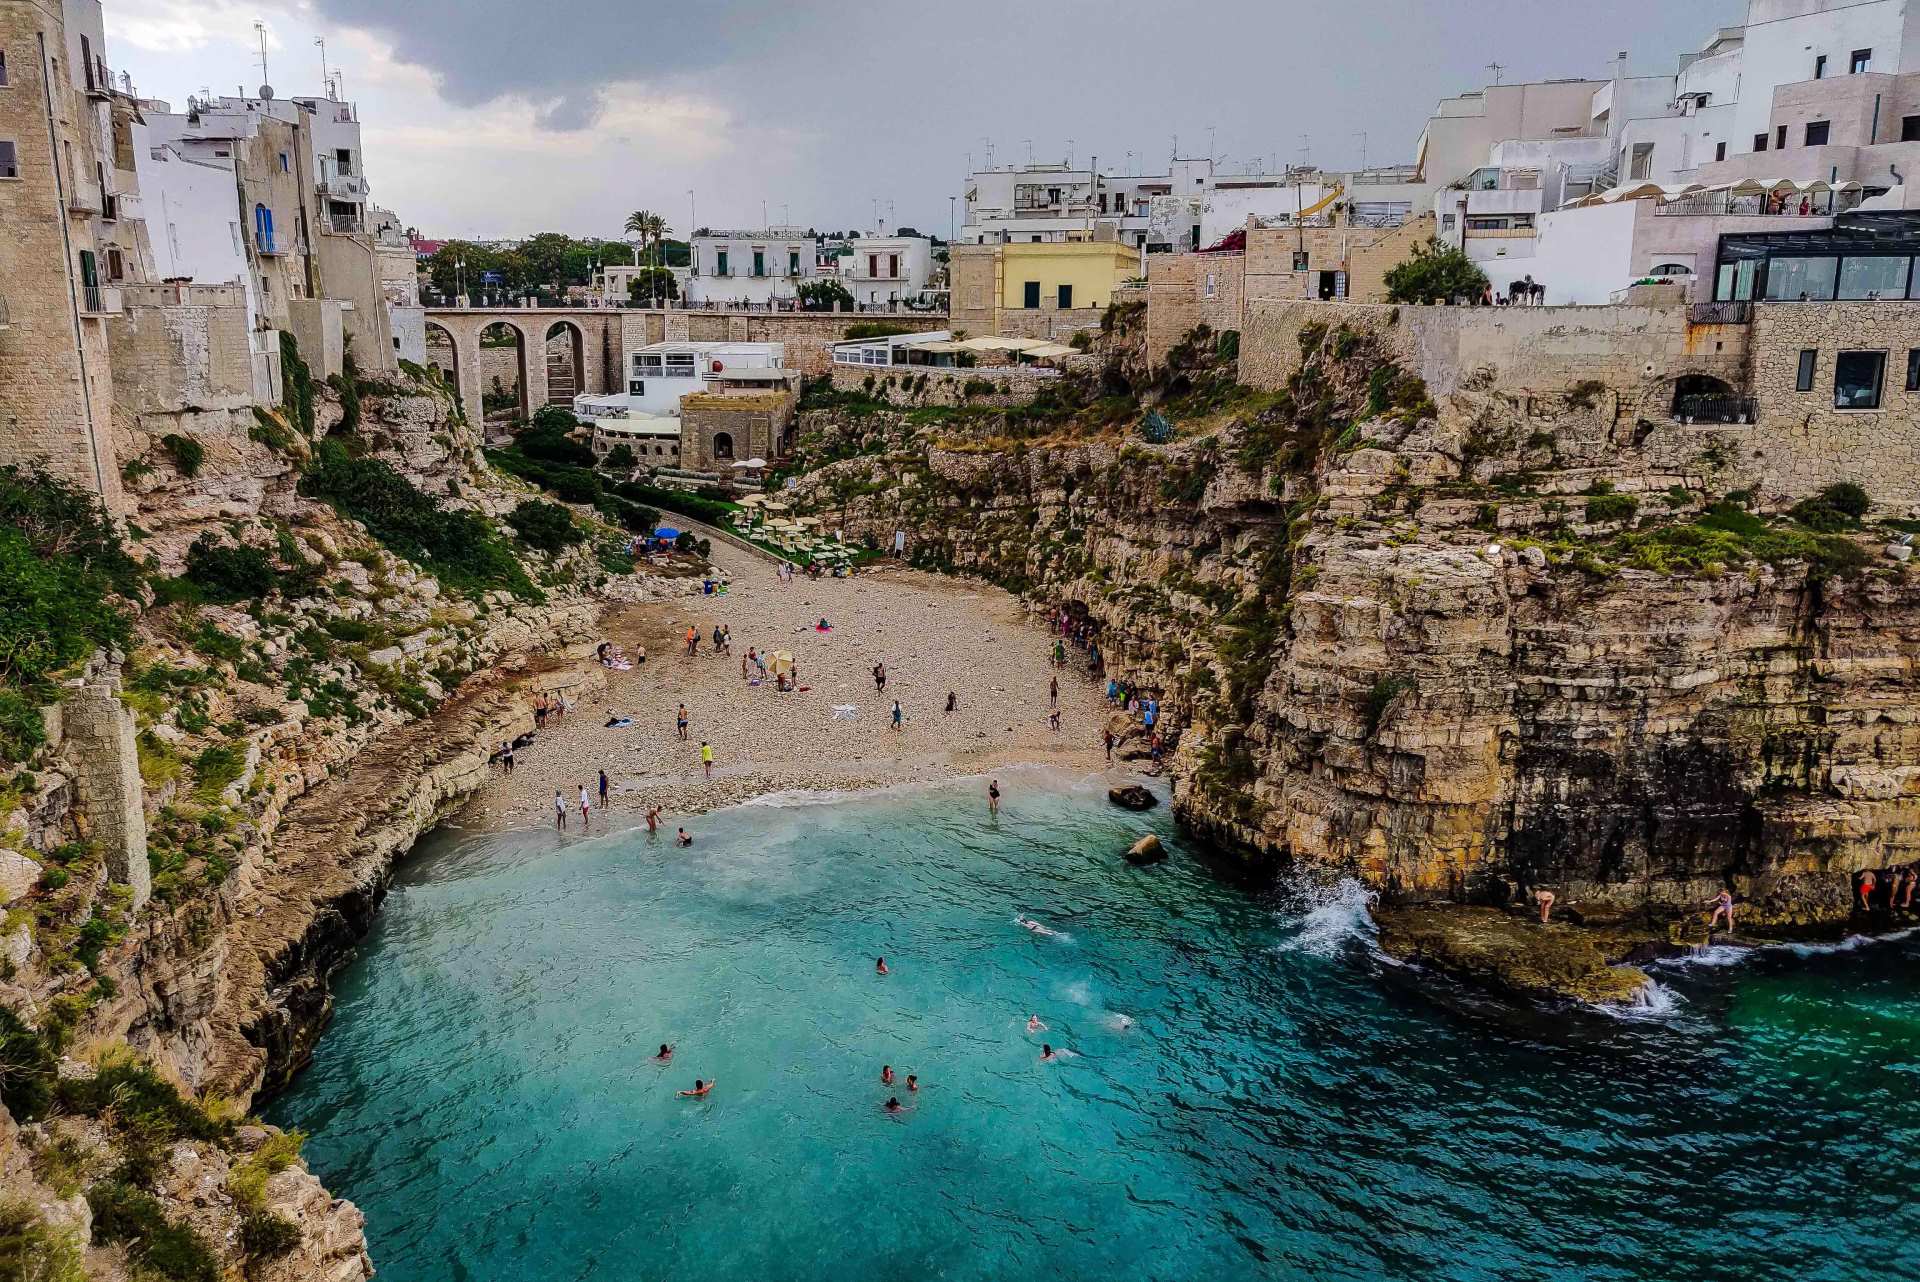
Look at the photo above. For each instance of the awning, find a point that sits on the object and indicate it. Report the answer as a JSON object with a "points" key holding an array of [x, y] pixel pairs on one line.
{"points": [[665, 532], [937, 345], [994, 343], [1045, 350]]}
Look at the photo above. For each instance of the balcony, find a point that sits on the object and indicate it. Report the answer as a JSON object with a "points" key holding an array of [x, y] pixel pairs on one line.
{"points": [[99, 300], [265, 242], [84, 199], [99, 80], [343, 224], [342, 187], [1724, 313], [1782, 204], [1715, 409], [1501, 233]]}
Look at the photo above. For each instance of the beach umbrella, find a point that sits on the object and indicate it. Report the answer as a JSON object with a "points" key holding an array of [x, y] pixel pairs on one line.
{"points": [[665, 532], [780, 663]]}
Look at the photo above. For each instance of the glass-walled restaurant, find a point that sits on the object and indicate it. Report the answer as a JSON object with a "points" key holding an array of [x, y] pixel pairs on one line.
{"points": [[1862, 257]]}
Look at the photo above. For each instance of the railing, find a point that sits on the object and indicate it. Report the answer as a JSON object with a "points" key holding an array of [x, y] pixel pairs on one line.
{"points": [[1496, 233], [344, 224], [84, 199], [264, 242], [1724, 313], [99, 300], [1784, 204], [1715, 409], [99, 79]]}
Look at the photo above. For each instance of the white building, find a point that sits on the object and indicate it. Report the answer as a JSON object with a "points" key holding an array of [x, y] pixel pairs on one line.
{"points": [[659, 374], [749, 267], [884, 271], [339, 168]]}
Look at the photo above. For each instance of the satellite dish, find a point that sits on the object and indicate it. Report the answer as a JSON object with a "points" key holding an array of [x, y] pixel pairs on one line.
{"points": [[266, 93]]}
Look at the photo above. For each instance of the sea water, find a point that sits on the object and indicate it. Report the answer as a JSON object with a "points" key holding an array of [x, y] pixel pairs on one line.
{"points": [[1243, 1087]]}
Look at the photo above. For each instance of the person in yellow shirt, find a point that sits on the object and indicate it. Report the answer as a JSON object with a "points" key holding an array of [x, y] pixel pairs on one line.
{"points": [[706, 757]]}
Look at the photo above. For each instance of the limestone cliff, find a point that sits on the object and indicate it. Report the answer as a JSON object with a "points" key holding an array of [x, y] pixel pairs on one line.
{"points": [[1463, 646]]}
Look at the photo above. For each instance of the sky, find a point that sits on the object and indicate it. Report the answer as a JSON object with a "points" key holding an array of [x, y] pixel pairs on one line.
{"points": [[499, 118]]}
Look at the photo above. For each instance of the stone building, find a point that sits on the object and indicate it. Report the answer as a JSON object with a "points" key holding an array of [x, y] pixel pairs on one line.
{"points": [[1037, 289], [64, 250], [719, 429]]}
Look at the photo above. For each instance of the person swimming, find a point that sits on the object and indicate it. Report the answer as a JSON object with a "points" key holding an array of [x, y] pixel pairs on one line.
{"points": [[1034, 1025], [1035, 926], [1046, 1055], [700, 1088], [886, 1074], [893, 1104], [666, 1053], [913, 1083], [880, 966], [684, 837]]}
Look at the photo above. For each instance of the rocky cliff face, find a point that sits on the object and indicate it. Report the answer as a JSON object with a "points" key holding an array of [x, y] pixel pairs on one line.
{"points": [[1464, 649]]}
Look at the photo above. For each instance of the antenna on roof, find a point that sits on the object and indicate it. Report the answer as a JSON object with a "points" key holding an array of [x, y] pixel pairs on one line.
{"points": [[1496, 68], [260, 30]]}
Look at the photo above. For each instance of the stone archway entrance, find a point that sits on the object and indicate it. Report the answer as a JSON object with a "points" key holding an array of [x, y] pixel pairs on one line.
{"points": [[443, 354], [503, 373], [723, 447], [565, 357]]}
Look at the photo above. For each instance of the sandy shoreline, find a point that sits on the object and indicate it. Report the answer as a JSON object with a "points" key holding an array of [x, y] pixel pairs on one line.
{"points": [[934, 634]]}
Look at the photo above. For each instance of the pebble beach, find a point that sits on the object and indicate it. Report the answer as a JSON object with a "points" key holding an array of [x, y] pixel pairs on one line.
{"points": [[934, 635]]}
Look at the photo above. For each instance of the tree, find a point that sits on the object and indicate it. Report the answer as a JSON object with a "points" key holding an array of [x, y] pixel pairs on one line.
{"points": [[651, 228], [1434, 273], [824, 295], [652, 284], [544, 525]]}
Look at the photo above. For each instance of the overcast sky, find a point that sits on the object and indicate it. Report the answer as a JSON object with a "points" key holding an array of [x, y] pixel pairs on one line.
{"points": [[487, 118]]}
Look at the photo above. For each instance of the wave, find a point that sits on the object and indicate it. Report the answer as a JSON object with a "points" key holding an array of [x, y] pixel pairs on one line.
{"points": [[1717, 955], [1654, 1002], [1332, 915]]}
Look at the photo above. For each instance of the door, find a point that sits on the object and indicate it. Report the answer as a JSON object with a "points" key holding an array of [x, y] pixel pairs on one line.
{"points": [[1328, 285], [1066, 298], [759, 262]]}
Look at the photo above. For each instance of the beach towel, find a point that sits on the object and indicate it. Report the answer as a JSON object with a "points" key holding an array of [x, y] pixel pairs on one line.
{"points": [[844, 711]]}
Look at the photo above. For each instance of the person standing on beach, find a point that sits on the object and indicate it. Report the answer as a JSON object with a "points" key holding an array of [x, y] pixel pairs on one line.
{"points": [[953, 701], [682, 723], [1053, 691], [603, 790], [879, 678], [586, 810], [897, 716], [706, 757], [653, 820], [1109, 747], [693, 640], [506, 755], [993, 797], [559, 811]]}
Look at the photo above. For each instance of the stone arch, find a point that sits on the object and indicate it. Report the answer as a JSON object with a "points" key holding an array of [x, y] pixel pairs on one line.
{"points": [[443, 353], [723, 447], [564, 353], [1706, 399], [503, 378]]}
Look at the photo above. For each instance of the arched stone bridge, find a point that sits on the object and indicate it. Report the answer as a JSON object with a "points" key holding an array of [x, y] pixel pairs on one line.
{"points": [[599, 339]]}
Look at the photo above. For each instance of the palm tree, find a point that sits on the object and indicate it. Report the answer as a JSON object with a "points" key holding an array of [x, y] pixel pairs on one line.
{"points": [[649, 226], [640, 223]]}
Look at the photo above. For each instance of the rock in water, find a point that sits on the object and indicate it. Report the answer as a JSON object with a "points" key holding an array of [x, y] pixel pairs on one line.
{"points": [[1132, 797], [1147, 850]]}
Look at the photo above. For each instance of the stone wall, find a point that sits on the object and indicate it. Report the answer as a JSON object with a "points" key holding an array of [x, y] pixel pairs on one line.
{"points": [[97, 732], [1636, 353], [1800, 442], [1185, 290], [925, 385], [1366, 254], [178, 349]]}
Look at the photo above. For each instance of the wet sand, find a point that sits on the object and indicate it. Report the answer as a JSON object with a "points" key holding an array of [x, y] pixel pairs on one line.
{"points": [[934, 634]]}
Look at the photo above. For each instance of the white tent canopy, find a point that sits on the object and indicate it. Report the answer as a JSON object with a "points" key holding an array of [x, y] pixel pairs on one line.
{"points": [[1739, 187]]}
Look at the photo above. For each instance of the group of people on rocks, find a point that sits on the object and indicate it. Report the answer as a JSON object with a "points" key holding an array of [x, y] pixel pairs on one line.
{"points": [[1888, 890], [1078, 632]]}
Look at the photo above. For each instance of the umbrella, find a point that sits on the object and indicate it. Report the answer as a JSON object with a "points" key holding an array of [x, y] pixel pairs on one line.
{"points": [[780, 662], [665, 532]]}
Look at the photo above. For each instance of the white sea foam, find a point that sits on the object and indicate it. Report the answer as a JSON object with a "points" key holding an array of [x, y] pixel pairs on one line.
{"points": [[1333, 914], [1654, 1002], [1117, 1022], [1079, 993]]}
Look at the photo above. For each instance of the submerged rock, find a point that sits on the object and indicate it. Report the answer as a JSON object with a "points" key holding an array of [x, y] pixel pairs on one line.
{"points": [[1513, 953], [1132, 797], [1147, 850]]}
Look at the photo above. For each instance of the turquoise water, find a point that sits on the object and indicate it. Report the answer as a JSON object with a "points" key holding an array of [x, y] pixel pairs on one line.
{"points": [[1283, 1105]]}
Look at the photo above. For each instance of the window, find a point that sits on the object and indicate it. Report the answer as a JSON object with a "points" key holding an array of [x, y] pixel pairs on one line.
{"points": [[1861, 61], [893, 266], [9, 166], [759, 262], [1759, 142], [679, 364], [1300, 260], [343, 157], [1780, 138], [1820, 67], [793, 262], [1209, 287], [873, 265], [1803, 279], [1856, 380], [1817, 131], [1910, 129], [1734, 282], [1913, 369], [1873, 277], [1030, 295], [1066, 298], [286, 165], [3, 66], [1803, 381], [647, 363], [1719, 151], [116, 265], [1640, 164], [719, 262]]}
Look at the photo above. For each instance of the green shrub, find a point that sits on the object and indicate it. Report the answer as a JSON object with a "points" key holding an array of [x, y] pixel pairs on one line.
{"points": [[296, 384], [229, 571], [459, 548], [215, 770], [1602, 508], [27, 1069], [31, 1250], [877, 329], [141, 1100], [546, 526], [1434, 273], [1385, 690], [620, 459], [1838, 507], [700, 509], [553, 445], [187, 454], [123, 1213], [266, 1236], [1227, 347]]}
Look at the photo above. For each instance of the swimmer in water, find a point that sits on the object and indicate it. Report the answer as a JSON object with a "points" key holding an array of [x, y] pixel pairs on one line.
{"points": [[886, 1074], [1046, 1055], [666, 1053], [880, 966], [913, 1083], [684, 837], [1035, 926], [700, 1088], [893, 1104], [1034, 1025]]}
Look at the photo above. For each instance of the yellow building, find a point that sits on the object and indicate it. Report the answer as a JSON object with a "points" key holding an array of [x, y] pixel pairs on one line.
{"points": [[1045, 290]]}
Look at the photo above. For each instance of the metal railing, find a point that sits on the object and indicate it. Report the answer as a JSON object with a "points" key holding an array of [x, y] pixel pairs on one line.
{"points": [[1715, 409], [344, 224], [1722, 313], [264, 242], [1784, 204], [99, 300]]}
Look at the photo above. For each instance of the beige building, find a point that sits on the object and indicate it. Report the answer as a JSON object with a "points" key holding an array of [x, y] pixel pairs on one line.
{"points": [[1037, 289], [68, 216]]}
